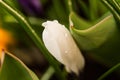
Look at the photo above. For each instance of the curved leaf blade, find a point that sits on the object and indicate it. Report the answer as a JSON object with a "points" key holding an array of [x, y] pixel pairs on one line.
{"points": [[13, 69], [94, 36]]}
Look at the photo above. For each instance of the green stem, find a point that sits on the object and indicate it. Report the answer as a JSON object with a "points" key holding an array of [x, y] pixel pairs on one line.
{"points": [[114, 8], [59, 9], [115, 5], [27, 27], [48, 74], [93, 9], [84, 8], [116, 67], [70, 6]]}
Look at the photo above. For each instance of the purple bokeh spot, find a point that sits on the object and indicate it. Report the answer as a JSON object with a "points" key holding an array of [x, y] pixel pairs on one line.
{"points": [[31, 7]]}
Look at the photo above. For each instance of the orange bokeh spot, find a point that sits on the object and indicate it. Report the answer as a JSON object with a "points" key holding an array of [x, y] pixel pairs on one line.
{"points": [[5, 39]]}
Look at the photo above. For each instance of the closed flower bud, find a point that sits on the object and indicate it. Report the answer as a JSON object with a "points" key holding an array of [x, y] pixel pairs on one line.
{"points": [[61, 45]]}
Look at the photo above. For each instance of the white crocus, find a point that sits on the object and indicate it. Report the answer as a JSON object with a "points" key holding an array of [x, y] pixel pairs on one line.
{"points": [[61, 45]]}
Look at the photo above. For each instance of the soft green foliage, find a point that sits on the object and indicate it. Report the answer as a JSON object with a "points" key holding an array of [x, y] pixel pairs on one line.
{"points": [[13, 69], [48, 74], [114, 7], [90, 37], [101, 39], [114, 68], [78, 22]]}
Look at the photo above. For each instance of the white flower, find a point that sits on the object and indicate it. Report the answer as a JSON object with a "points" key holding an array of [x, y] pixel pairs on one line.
{"points": [[61, 45]]}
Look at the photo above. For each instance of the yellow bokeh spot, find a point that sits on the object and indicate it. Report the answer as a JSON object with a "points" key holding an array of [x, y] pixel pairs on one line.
{"points": [[5, 39]]}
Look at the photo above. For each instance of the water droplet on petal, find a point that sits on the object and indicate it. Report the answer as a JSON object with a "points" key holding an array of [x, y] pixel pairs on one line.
{"points": [[66, 34], [66, 51]]}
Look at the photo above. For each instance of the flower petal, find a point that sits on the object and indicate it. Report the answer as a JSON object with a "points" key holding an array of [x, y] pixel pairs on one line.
{"points": [[61, 45]]}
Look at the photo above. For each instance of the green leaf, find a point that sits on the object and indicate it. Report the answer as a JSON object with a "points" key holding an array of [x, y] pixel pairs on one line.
{"points": [[78, 22], [92, 37], [14, 69], [114, 68], [93, 9], [114, 7], [48, 73], [101, 41]]}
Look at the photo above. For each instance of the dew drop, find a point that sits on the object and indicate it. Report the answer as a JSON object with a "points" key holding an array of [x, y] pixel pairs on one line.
{"points": [[66, 51], [66, 34]]}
